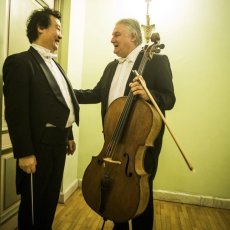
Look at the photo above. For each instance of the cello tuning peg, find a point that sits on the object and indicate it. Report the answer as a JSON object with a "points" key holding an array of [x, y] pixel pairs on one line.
{"points": [[162, 46], [155, 37]]}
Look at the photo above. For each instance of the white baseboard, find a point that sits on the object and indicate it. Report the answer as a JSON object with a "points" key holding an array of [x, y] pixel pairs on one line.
{"points": [[185, 198], [64, 195], [80, 183]]}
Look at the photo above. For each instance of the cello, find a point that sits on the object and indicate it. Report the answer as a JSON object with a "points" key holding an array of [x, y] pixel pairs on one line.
{"points": [[115, 183]]}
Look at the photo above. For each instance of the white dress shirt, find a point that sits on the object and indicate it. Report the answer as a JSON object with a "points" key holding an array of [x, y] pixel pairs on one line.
{"points": [[121, 75], [47, 57]]}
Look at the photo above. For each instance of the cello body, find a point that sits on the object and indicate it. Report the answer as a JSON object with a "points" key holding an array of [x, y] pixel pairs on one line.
{"points": [[115, 184]]}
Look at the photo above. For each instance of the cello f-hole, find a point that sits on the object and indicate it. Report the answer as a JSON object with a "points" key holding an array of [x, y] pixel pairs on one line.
{"points": [[99, 161], [128, 174]]}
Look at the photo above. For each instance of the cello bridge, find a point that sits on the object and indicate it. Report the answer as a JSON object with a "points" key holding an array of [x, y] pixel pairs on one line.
{"points": [[109, 160]]}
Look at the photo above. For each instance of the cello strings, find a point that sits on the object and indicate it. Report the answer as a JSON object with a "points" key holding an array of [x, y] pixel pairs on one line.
{"points": [[115, 137], [120, 126], [111, 148]]}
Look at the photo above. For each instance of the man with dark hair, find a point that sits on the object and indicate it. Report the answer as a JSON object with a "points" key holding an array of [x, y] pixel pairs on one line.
{"points": [[40, 108], [117, 80]]}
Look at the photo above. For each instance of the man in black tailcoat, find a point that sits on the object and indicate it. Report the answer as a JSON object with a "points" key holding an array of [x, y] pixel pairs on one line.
{"points": [[118, 79], [40, 108]]}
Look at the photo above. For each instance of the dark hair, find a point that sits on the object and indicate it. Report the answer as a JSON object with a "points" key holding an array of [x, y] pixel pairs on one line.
{"points": [[39, 18]]}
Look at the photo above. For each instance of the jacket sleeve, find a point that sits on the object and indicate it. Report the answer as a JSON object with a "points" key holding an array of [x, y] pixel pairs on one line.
{"points": [[159, 81], [96, 94], [16, 89]]}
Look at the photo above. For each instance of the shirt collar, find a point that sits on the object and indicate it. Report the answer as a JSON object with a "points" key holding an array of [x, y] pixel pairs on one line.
{"points": [[132, 56], [45, 53]]}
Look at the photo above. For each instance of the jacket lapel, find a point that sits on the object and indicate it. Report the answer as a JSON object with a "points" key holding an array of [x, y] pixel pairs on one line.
{"points": [[49, 76], [108, 81]]}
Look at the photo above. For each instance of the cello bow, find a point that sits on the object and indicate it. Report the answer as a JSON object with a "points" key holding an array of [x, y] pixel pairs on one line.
{"points": [[166, 123], [155, 48]]}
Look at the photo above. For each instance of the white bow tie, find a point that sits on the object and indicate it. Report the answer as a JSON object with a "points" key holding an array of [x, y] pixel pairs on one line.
{"points": [[50, 55], [122, 60], [47, 54]]}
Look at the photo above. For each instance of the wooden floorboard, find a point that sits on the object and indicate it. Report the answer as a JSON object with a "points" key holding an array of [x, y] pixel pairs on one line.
{"points": [[76, 215]]}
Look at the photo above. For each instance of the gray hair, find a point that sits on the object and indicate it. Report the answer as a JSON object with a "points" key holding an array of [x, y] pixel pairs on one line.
{"points": [[133, 27]]}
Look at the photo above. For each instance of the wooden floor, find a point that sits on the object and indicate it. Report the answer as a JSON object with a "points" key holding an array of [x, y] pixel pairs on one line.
{"points": [[75, 214]]}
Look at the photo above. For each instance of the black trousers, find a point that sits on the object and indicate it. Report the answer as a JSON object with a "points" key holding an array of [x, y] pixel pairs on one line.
{"points": [[50, 156]]}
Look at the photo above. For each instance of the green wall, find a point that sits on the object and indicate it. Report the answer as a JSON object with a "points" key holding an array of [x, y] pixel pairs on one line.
{"points": [[196, 35]]}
